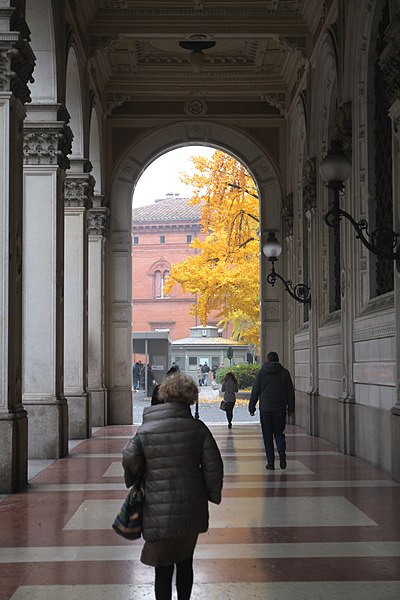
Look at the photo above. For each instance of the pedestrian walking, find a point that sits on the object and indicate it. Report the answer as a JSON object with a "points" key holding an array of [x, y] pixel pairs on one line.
{"points": [[183, 472], [273, 386], [154, 397], [229, 387], [136, 376]]}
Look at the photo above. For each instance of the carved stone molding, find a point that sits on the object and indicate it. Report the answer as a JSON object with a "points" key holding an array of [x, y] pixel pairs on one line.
{"points": [[17, 62], [277, 100], [310, 185], [47, 144], [287, 216], [98, 221], [271, 7], [195, 107], [390, 59], [343, 127], [294, 44], [115, 100], [78, 191]]}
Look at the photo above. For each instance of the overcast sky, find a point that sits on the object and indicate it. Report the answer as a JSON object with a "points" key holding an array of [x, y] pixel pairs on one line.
{"points": [[162, 176]]}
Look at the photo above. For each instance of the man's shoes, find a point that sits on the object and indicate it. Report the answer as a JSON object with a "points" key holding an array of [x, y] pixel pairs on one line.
{"points": [[270, 467], [229, 425], [282, 460]]}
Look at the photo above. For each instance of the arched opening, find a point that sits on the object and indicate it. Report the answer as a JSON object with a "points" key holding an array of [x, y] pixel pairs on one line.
{"points": [[39, 15], [73, 98], [130, 167], [95, 151]]}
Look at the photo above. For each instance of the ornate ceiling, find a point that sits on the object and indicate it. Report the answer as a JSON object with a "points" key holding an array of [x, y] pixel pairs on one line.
{"points": [[262, 48]]}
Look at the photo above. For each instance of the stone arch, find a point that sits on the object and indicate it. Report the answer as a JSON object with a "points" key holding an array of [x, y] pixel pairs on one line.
{"points": [[39, 15], [95, 150], [74, 103], [128, 170]]}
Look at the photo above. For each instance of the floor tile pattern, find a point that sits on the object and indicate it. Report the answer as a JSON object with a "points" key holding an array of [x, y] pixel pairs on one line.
{"points": [[328, 527]]}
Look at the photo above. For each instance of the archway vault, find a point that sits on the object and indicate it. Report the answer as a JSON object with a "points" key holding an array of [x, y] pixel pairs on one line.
{"points": [[136, 158]]}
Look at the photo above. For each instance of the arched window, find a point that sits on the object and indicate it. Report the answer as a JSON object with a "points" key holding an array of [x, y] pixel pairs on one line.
{"points": [[160, 277]]}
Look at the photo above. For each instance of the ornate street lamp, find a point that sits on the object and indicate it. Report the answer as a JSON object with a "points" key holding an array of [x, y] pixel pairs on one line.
{"points": [[272, 250], [335, 169]]}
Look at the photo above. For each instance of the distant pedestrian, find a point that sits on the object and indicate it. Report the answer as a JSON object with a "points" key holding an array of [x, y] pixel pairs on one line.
{"points": [[154, 398], [230, 388], [183, 472], [136, 376], [205, 369], [273, 386]]}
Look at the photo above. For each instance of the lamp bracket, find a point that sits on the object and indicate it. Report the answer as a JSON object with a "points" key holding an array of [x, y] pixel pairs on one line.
{"points": [[300, 292], [382, 242]]}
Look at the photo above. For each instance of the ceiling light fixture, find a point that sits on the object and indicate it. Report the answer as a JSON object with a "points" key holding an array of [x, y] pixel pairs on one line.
{"points": [[196, 55]]}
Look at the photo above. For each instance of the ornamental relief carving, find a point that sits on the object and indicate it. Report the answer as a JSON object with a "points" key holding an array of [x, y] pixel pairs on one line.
{"points": [[17, 62], [287, 215], [47, 147], [310, 184], [79, 192], [98, 221]]}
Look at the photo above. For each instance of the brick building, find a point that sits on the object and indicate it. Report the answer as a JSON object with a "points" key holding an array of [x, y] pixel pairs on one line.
{"points": [[161, 236]]}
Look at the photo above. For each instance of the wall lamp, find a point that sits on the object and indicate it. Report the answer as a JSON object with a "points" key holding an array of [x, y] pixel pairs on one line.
{"points": [[272, 250], [335, 169]]}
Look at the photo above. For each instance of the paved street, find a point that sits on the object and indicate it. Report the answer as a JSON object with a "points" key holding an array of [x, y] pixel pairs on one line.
{"points": [[209, 410]]}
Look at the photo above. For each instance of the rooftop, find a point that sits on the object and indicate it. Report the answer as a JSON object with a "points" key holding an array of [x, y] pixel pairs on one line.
{"points": [[170, 209]]}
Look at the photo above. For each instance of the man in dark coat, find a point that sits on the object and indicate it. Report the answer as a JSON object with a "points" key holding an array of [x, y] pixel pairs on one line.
{"points": [[273, 386]]}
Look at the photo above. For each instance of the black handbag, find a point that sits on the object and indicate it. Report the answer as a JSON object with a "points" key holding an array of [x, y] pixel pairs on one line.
{"points": [[223, 405]]}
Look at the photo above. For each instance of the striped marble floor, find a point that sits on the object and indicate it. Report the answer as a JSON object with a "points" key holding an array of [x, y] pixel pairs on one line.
{"points": [[326, 528]]}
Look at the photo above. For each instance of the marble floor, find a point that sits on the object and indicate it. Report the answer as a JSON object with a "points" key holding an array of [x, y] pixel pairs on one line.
{"points": [[328, 527]]}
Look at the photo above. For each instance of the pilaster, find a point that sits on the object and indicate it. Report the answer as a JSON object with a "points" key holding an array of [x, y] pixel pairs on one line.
{"points": [[79, 187], [98, 217], [47, 141], [395, 413], [16, 66]]}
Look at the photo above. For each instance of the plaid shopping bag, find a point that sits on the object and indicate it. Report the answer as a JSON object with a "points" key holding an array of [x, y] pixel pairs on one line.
{"points": [[128, 522]]}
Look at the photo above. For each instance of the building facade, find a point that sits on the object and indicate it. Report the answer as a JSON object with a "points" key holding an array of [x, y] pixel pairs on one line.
{"points": [[161, 236], [90, 94]]}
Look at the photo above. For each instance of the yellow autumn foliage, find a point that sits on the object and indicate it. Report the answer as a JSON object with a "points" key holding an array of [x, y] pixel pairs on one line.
{"points": [[224, 275]]}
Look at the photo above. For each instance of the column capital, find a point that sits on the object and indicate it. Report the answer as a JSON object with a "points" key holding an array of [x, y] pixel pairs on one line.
{"points": [[98, 218], [78, 190], [17, 62], [47, 143]]}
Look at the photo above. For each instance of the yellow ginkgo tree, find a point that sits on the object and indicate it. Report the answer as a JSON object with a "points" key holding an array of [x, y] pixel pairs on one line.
{"points": [[224, 275]]}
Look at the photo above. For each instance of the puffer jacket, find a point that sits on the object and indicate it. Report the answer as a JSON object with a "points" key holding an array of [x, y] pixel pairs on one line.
{"points": [[184, 471], [274, 387]]}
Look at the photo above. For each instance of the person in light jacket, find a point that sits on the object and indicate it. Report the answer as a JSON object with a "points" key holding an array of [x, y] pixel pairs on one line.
{"points": [[229, 387], [273, 386], [183, 472]]}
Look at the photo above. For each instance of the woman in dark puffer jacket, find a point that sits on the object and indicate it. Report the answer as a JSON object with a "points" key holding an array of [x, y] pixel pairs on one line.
{"points": [[184, 472]]}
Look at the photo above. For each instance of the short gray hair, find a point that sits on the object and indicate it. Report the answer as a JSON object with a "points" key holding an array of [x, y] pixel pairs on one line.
{"points": [[178, 388]]}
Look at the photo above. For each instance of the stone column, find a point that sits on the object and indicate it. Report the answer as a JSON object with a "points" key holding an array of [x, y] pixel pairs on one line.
{"points": [[47, 141], [97, 223], [310, 207], [78, 193], [16, 66], [395, 416]]}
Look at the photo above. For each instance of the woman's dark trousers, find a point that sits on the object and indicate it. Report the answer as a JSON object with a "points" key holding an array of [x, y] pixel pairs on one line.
{"points": [[229, 411], [273, 425]]}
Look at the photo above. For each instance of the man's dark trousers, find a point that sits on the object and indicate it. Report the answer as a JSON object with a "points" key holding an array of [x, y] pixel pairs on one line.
{"points": [[273, 425]]}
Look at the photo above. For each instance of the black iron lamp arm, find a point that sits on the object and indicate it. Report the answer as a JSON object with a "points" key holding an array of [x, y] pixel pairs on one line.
{"points": [[299, 292], [391, 249]]}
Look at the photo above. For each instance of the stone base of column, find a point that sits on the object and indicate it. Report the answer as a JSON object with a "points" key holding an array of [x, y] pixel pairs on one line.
{"points": [[99, 406], [80, 416], [346, 425], [395, 418], [48, 428], [13, 451], [313, 413], [120, 407]]}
